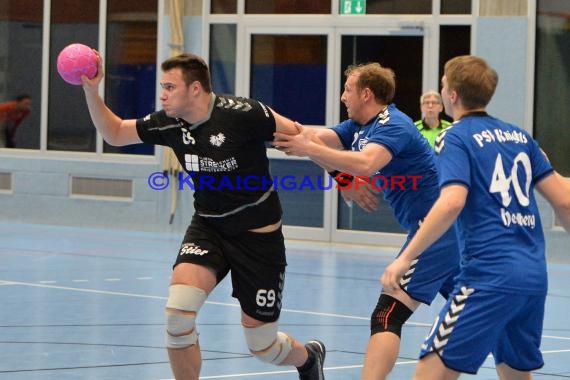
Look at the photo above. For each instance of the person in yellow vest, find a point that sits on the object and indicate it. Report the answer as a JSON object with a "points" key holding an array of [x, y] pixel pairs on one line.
{"points": [[431, 125]]}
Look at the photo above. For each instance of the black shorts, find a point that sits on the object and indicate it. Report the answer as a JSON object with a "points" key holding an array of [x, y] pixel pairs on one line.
{"points": [[256, 261]]}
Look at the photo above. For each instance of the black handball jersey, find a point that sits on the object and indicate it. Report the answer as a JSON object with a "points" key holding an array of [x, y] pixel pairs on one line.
{"points": [[224, 157]]}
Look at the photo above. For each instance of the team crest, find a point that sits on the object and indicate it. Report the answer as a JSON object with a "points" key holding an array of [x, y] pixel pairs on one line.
{"points": [[217, 140]]}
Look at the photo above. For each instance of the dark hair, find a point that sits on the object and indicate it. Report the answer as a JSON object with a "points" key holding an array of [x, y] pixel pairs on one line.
{"points": [[473, 80], [380, 80], [193, 69]]}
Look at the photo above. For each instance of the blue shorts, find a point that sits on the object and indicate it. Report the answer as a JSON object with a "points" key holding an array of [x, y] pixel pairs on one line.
{"points": [[434, 270], [474, 323]]}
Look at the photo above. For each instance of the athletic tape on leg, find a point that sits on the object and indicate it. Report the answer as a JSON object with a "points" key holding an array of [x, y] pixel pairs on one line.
{"points": [[267, 344], [183, 304]]}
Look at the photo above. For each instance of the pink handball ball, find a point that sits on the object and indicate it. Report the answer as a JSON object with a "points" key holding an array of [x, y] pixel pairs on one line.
{"points": [[76, 60]]}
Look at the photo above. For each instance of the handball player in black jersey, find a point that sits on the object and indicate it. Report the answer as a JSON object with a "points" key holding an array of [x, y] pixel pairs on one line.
{"points": [[221, 143]]}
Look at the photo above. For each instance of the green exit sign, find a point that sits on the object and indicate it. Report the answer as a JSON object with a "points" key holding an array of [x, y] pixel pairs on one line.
{"points": [[352, 7]]}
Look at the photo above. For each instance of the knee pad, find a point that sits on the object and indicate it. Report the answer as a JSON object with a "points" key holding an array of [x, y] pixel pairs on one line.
{"points": [[267, 344], [389, 315], [182, 306]]}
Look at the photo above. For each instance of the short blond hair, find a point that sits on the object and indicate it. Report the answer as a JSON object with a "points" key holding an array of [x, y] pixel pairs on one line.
{"points": [[429, 94]]}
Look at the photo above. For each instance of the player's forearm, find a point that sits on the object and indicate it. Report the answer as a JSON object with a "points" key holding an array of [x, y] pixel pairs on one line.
{"points": [[106, 122], [439, 219], [556, 189], [318, 138], [563, 211], [351, 162], [431, 230]]}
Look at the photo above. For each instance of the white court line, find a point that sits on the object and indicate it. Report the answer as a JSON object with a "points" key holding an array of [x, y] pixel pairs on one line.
{"points": [[208, 302], [289, 371], [554, 351], [555, 337], [81, 290], [107, 292], [95, 291]]}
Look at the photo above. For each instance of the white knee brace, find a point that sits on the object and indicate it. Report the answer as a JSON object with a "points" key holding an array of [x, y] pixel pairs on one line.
{"points": [[267, 344], [182, 306]]}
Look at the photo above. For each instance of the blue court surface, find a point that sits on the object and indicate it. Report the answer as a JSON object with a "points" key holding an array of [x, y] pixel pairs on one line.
{"points": [[81, 303]]}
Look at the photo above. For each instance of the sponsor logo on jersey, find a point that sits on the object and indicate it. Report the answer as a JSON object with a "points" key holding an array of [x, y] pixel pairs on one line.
{"points": [[517, 218], [192, 249], [192, 163], [195, 163]]}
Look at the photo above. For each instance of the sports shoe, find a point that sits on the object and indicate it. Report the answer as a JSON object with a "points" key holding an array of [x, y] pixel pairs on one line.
{"points": [[316, 348]]}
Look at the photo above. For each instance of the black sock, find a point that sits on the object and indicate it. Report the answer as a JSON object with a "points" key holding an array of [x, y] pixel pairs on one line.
{"points": [[309, 363]]}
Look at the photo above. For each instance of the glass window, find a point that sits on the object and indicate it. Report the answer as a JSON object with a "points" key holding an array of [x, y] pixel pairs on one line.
{"points": [[454, 40], [130, 76], [223, 6], [300, 185], [20, 71], [356, 219], [288, 73], [398, 6], [288, 6], [458, 7], [223, 58], [69, 124], [407, 67], [553, 77]]}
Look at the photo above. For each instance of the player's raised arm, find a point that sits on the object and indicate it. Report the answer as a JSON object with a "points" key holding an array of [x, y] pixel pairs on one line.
{"points": [[115, 131]]}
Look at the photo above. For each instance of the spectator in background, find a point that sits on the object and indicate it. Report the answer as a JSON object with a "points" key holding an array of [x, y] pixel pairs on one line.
{"points": [[12, 113], [431, 124]]}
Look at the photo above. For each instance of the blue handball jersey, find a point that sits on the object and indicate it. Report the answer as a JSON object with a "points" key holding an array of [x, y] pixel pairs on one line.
{"points": [[412, 158], [500, 228]]}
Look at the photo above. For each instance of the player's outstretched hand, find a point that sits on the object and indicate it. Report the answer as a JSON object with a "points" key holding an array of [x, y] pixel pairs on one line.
{"points": [[295, 145]]}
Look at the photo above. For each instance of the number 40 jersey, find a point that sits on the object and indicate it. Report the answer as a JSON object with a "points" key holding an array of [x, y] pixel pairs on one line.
{"points": [[500, 230]]}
